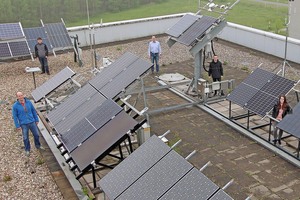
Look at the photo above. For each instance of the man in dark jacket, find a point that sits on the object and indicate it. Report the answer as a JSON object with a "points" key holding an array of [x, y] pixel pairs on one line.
{"points": [[216, 71], [41, 52], [25, 119]]}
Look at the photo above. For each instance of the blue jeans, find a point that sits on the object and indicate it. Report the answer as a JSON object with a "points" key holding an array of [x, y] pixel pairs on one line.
{"points": [[44, 64], [155, 58], [33, 128]]}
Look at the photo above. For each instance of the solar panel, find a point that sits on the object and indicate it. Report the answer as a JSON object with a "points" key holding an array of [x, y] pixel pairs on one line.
{"points": [[184, 23], [193, 186], [53, 83], [134, 166], [91, 123], [260, 90], [79, 113], [290, 123], [242, 94], [33, 33], [11, 31], [19, 48], [258, 78], [113, 70], [102, 140], [161, 177], [125, 78], [261, 103], [196, 30], [278, 85], [4, 50], [221, 195], [73, 102], [58, 35]]}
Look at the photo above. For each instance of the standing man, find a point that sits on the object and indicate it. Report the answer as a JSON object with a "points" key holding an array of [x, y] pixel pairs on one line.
{"points": [[41, 52], [216, 71], [25, 119], [154, 51]]}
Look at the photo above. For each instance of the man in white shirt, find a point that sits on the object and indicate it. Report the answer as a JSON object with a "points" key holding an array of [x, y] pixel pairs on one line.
{"points": [[154, 52]]}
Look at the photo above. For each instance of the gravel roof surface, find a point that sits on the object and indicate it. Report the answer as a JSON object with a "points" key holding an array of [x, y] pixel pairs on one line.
{"points": [[17, 181]]}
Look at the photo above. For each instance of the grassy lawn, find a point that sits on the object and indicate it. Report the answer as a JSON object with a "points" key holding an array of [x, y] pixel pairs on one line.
{"points": [[247, 12]]}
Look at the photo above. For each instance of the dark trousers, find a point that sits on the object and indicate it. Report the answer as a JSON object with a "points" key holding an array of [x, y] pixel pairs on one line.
{"points": [[44, 64]]}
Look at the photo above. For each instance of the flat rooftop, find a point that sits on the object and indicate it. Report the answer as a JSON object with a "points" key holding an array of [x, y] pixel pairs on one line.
{"points": [[255, 169]]}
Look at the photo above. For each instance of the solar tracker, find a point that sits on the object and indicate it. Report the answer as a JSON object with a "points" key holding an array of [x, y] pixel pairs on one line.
{"points": [[133, 167], [4, 50], [183, 24], [74, 101], [79, 113], [113, 70], [102, 140], [193, 186], [125, 78], [90, 124], [290, 123], [58, 35], [162, 176], [11, 31], [33, 33], [242, 94], [53, 83], [221, 195], [196, 30]]}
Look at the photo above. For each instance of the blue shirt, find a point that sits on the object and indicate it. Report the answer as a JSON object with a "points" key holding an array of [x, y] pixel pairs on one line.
{"points": [[24, 114], [154, 47]]}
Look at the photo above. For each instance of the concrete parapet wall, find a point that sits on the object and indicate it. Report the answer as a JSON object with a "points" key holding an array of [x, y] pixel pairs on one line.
{"points": [[263, 41]]}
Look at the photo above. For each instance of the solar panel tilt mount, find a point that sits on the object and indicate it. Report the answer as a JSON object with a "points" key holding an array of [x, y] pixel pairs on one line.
{"points": [[197, 31]]}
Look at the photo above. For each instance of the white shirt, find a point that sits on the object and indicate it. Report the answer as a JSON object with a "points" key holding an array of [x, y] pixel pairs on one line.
{"points": [[154, 47]]}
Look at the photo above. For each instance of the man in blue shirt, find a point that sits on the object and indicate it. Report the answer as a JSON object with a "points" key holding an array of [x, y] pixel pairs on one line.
{"points": [[154, 52], [25, 119]]}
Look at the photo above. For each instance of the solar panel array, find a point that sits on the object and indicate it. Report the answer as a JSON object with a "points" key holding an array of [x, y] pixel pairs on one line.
{"points": [[14, 49], [120, 74], [154, 171], [99, 143], [190, 28], [58, 35], [73, 113], [260, 90], [290, 123], [81, 131], [53, 83], [90, 123], [33, 33], [11, 31]]}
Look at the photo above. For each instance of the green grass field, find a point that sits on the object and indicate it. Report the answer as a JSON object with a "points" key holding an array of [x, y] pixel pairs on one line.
{"points": [[251, 13]]}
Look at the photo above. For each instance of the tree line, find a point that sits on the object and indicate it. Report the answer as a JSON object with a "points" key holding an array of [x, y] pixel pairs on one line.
{"points": [[29, 12]]}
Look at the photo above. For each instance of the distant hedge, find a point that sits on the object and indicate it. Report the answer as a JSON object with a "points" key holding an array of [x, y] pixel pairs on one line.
{"points": [[29, 12]]}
